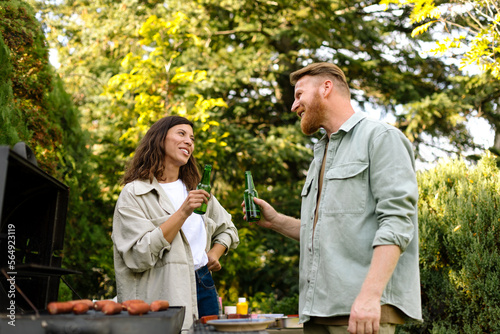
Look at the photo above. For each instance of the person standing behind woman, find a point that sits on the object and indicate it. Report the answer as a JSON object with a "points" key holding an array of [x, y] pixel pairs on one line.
{"points": [[162, 250]]}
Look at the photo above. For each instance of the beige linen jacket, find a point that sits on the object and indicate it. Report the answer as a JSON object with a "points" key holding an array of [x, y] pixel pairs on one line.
{"points": [[147, 266]]}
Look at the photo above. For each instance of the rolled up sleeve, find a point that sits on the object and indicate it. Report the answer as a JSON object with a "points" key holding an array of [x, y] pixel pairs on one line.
{"points": [[394, 187], [220, 228]]}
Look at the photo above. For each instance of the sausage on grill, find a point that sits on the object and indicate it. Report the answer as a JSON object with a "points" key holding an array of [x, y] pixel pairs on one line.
{"points": [[159, 305], [138, 308], [88, 302], [60, 307], [98, 305], [111, 308], [131, 301], [80, 308]]}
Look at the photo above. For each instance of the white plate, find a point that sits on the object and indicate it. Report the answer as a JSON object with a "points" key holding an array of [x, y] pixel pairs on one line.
{"points": [[240, 325], [269, 315]]}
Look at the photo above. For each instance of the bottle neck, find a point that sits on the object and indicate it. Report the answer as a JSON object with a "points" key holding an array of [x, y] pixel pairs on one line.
{"points": [[206, 176], [248, 181]]}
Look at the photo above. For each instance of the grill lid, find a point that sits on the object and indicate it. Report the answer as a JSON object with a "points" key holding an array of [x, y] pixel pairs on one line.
{"points": [[33, 208]]}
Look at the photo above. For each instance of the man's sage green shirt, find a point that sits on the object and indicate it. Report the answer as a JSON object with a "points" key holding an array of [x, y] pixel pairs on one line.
{"points": [[369, 198]]}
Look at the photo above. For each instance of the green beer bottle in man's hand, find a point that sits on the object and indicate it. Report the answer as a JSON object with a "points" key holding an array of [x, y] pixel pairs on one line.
{"points": [[252, 209]]}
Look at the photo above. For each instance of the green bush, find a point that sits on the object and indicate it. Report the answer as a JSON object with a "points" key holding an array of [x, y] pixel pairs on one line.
{"points": [[36, 109], [460, 248], [269, 303], [11, 125]]}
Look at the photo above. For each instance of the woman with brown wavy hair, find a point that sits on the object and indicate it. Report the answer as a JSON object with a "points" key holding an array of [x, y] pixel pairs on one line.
{"points": [[148, 161], [162, 250]]}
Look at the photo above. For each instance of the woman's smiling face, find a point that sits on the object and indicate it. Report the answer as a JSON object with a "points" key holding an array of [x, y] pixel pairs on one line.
{"points": [[179, 145]]}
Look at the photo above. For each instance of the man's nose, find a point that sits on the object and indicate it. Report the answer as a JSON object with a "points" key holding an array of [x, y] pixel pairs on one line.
{"points": [[295, 105]]}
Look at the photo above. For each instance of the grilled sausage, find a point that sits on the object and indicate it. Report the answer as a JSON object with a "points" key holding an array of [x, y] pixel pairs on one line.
{"points": [[88, 302], [111, 308], [206, 318], [159, 305], [138, 308], [80, 308], [131, 301], [98, 305], [60, 307]]}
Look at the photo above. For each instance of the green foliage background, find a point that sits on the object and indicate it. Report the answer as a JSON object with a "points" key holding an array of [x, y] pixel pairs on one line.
{"points": [[225, 65], [459, 223]]}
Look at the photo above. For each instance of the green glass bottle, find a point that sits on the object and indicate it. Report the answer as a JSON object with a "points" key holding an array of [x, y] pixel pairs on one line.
{"points": [[205, 185], [252, 209]]}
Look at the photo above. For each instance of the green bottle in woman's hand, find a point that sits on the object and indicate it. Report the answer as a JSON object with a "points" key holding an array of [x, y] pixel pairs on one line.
{"points": [[205, 185]]}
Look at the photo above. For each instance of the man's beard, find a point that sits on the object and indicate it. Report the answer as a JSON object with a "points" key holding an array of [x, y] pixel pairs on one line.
{"points": [[312, 118]]}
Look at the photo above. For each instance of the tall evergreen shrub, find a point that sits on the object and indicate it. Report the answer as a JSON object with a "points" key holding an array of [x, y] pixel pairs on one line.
{"points": [[35, 108], [460, 248], [10, 119], [30, 79]]}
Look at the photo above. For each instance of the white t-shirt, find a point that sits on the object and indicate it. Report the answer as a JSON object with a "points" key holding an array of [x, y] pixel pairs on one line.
{"points": [[194, 226]]}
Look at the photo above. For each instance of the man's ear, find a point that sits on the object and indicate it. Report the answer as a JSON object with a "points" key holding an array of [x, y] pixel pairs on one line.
{"points": [[327, 88]]}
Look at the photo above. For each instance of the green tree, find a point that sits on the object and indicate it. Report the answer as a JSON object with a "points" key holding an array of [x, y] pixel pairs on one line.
{"points": [[471, 29], [467, 31]]}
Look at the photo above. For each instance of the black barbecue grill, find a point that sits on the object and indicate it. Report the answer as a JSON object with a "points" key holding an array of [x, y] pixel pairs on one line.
{"points": [[93, 322], [33, 207]]}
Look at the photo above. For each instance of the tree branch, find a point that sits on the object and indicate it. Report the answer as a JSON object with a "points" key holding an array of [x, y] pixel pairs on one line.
{"points": [[235, 31]]}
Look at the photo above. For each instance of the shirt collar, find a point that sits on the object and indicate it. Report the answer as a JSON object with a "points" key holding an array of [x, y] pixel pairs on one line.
{"points": [[352, 121], [346, 127], [144, 186]]}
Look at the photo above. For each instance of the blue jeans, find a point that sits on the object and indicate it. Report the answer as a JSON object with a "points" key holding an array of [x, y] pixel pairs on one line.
{"points": [[208, 301]]}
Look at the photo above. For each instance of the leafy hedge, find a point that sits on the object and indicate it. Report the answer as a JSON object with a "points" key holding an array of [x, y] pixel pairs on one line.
{"points": [[30, 78], [35, 108], [11, 128], [460, 248]]}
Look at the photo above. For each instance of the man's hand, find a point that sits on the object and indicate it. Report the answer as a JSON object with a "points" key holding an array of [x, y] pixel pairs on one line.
{"points": [[365, 315], [365, 311], [267, 213], [270, 218]]}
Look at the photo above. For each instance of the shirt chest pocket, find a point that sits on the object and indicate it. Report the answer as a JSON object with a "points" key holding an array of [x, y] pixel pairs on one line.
{"points": [[345, 188], [308, 199]]}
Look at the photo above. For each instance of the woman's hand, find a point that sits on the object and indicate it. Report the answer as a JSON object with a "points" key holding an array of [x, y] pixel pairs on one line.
{"points": [[194, 200], [171, 226], [214, 255], [213, 263]]}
